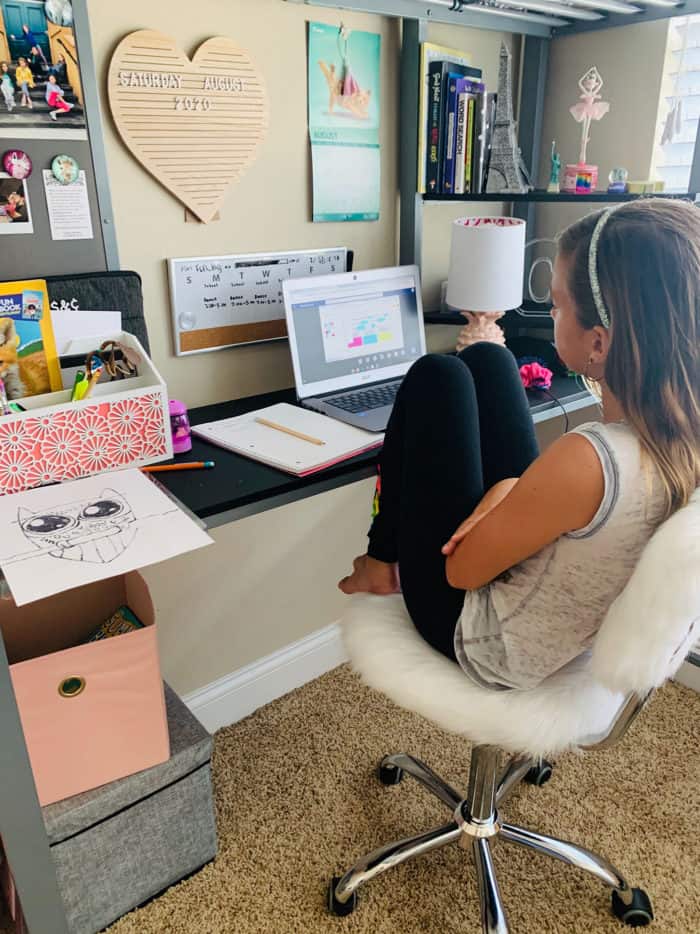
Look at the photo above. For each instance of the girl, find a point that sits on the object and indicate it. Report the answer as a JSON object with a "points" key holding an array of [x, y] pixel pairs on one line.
{"points": [[60, 69], [523, 584], [37, 61], [25, 80], [7, 87], [54, 98], [27, 36]]}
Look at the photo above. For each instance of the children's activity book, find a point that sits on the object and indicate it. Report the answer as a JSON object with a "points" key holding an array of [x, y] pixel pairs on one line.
{"points": [[28, 359]]}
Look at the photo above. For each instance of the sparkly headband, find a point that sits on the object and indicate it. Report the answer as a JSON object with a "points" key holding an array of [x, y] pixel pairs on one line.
{"points": [[593, 266]]}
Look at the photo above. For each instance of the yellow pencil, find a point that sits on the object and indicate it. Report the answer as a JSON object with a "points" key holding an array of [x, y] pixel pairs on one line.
{"points": [[91, 383], [289, 431]]}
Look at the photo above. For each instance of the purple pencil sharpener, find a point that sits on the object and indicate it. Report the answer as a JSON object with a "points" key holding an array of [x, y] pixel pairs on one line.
{"points": [[180, 427]]}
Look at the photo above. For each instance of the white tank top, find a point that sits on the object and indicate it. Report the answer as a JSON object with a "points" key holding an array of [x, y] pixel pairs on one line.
{"points": [[542, 613]]}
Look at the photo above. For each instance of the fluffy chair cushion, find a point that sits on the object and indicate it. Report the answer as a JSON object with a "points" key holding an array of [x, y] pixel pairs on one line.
{"points": [[568, 709], [643, 640], [652, 625]]}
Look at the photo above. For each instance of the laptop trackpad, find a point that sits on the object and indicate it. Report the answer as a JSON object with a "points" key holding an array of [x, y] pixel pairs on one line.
{"points": [[370, 420]]}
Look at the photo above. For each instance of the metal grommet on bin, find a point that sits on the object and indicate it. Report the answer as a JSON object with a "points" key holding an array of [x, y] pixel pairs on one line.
{"points": [[71, 687]]}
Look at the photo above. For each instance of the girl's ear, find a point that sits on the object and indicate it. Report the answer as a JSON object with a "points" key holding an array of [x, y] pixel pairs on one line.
{"points": [[600, 344]]}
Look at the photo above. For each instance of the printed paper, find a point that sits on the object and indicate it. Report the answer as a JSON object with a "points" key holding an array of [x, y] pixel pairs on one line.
{"points": [[69, 208], [63, 536]]}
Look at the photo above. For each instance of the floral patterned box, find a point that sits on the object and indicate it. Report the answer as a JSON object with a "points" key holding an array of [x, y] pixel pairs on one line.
{"points": [[124, 423]]}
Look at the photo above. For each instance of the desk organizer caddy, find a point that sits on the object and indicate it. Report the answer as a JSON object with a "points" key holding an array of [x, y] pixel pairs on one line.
{"points": [[119, 845], [124, 423], [109, 721]]}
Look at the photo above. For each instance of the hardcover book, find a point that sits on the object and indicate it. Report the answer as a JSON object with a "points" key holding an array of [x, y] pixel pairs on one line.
{"points": [[28, 359]]}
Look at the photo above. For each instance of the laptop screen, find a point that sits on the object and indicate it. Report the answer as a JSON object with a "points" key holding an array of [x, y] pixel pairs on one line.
{"points": [[353, 328]]}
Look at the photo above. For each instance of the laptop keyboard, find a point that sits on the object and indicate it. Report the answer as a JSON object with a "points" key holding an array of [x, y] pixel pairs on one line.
{"points": [[373, 397]]}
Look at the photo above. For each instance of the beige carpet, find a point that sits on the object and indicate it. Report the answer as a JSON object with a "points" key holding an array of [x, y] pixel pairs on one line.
{"points": [[297, 801]]}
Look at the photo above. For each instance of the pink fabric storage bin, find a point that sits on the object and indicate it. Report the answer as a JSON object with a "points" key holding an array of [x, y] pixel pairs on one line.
{"points": [[116, 725]]}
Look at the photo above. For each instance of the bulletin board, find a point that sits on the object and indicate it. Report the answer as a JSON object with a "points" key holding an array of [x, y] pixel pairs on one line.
{"points": [[223, 301], [29, 246]]}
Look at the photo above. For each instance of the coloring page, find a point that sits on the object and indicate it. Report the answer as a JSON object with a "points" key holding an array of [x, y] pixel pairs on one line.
{"points": [[59, 537]]}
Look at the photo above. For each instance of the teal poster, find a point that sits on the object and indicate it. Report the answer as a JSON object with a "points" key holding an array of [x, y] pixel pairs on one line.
{"points": [[344, 122]]}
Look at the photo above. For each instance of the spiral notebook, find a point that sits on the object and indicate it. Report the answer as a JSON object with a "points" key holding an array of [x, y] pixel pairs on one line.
{"points": [[325, 442]]}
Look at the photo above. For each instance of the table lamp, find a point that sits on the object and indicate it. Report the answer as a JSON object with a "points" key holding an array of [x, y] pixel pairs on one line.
{"points": [[487, 266]]}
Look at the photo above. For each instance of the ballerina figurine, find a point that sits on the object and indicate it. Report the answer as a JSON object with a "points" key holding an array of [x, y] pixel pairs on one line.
{"points": [[589, 108]]}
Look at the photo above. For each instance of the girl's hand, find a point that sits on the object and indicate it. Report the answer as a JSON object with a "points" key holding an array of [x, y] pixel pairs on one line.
{"points": [[495, 495], [460, 532]]}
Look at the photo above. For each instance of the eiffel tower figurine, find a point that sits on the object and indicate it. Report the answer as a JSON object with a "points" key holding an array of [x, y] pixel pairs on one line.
{"points": [[507, 173]]}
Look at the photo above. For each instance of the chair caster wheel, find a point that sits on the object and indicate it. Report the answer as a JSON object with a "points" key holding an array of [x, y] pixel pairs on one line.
{"points": [[539, 774], [638, 913], [341, 909], [389, 774]]}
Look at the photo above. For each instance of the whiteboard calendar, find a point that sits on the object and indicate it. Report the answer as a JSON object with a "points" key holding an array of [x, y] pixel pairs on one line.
{"points": [[222, 301]]}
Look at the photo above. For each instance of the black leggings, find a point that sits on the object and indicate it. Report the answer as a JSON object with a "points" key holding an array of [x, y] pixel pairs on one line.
{"points": [[459, 425]]}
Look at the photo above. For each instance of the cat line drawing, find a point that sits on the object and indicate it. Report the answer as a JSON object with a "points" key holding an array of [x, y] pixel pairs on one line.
{"points": [[96, 530]]}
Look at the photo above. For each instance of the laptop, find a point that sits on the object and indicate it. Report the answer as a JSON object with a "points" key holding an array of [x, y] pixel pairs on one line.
{"points": [[353, 337]]}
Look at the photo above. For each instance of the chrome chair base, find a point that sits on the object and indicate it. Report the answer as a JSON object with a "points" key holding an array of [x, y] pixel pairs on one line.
{"points": [[475, 825]]}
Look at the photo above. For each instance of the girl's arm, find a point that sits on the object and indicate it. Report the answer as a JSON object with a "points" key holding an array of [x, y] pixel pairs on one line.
{"points": [[560, 492], [489, 501]]}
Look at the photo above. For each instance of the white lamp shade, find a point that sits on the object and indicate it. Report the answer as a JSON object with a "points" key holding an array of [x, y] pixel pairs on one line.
{"points": [[487, 264]]}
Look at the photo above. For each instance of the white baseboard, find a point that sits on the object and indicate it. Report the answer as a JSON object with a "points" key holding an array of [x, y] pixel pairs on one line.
{"points": [[240, 693], [689, 674]]}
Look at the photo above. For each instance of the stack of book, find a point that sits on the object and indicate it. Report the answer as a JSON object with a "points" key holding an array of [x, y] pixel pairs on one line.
{"points": [[456, 118]]}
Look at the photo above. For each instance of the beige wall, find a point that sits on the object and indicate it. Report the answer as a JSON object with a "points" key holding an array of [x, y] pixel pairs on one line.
{"points": [[266, 582], [270, 579], [630, 61], [269, 209]]}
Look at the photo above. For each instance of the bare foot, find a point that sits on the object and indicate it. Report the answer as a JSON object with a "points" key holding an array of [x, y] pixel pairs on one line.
{"points": [[371, 576]]}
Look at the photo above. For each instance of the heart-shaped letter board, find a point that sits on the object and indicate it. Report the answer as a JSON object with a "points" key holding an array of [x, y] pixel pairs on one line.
{"points": [[195, 125]]}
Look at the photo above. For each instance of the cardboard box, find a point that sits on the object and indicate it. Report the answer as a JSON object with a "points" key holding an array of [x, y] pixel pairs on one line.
{"points": [[91, 713], [124, 423]]}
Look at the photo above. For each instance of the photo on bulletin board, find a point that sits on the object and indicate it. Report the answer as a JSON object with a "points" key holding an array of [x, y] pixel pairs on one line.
{"points": [[40, 80], [15, 211]]}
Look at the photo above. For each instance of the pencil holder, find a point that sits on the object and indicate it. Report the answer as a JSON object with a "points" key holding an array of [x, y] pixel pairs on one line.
{"points": [[122, 424]]}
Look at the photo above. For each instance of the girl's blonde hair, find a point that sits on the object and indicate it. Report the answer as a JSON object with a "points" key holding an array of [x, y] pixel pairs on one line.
{"points": [[648, 266]]}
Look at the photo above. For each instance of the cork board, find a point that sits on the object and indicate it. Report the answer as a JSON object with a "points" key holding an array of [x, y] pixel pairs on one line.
{"points": [[194, 124], [222, 301]]}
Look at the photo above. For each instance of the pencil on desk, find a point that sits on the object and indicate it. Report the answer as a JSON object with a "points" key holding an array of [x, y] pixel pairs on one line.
{"points": [[289, 431], [190, 465]]}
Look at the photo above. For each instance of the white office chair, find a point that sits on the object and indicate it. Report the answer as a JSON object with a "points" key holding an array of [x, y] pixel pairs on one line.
{"points": [[589, 704]]}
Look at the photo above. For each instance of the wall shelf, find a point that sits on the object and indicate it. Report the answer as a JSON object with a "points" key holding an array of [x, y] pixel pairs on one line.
{"points": [[561, 198]]}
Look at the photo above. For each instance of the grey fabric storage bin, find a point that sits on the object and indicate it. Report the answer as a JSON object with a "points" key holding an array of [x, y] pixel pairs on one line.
{"points": [[117, 846]]}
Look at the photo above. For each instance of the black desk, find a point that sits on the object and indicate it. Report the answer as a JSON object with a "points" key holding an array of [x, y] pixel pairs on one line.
{"points": [[239, 487]]}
